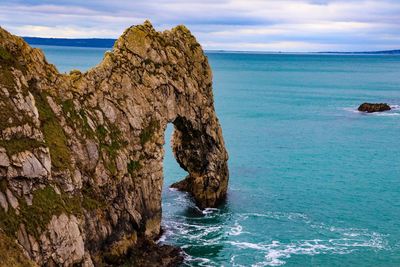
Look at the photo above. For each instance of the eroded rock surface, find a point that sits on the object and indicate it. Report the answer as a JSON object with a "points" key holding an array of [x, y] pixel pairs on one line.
{"points": [[81, 154]]}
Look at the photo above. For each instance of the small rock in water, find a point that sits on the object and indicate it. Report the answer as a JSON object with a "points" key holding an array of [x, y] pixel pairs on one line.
{"points": [[373, 107]]}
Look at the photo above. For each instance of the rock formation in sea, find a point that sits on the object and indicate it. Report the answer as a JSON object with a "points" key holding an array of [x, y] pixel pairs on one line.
{"points": [[81, 155], [373, 107]]}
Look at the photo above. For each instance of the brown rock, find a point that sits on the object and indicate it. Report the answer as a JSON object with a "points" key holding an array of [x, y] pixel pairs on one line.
{"points": [[148, 253], [4, 160], [12, 200], [3, 201], [68, 246], [373, 107]]}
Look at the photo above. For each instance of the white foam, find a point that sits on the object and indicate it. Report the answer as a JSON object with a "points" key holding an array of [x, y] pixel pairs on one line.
{"points": [[386, 114], [351, 239], [233, 263], [172, 189], [209, 211], [292, 216], [351, 109], [164, 236], [393, 112], [197, 261], [395, 107], [196, 233], [273, 258], [276, 252], [236, 230], [247, 245], [351, 234]]}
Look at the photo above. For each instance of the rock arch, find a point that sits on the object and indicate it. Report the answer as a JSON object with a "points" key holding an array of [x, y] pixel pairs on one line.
{"points": [[94, 141], [199, 151]]}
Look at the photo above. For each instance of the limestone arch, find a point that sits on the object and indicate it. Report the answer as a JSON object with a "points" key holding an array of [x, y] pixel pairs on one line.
{"points": [[104, 128]]}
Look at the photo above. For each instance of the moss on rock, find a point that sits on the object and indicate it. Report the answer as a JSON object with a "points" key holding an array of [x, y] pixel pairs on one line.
{"points": [[3, 185], [77, 119], [54, 135], [111, 142], [46, 203], [4, 54], [9, 221], [11, 254], [17, 145], [7, 78], [91, 200], [133, 166], [148, 131]]}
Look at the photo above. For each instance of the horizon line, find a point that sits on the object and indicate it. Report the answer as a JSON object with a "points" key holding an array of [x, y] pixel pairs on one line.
{"points": [[31, 41]]}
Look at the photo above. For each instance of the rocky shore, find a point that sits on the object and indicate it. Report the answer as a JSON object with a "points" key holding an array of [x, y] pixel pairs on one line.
{"points": [[81, 154]]}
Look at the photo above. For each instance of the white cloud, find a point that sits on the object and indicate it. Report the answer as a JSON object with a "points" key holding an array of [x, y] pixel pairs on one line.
{"points": [[59, 31], [295, 25]]}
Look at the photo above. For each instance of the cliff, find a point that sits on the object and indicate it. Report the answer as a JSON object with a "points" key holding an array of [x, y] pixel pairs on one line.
{"points": [[81, 155]]}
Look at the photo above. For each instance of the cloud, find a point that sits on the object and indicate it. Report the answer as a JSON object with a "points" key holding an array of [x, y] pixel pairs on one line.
{"points": [[277, 25]]}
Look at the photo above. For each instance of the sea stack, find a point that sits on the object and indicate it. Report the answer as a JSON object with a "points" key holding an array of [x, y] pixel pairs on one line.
{"points": [[81, 169], [373, 107]]}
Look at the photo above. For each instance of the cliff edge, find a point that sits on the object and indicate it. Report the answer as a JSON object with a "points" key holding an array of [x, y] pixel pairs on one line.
{"points": [[81, 155]]}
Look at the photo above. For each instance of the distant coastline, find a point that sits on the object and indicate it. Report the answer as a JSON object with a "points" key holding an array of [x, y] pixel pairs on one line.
{"points": [[109, 43], [95, 42], [385, 52]]}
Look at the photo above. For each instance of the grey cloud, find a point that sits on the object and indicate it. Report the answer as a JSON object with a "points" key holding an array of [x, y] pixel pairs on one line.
{"points": [[347, 24]]}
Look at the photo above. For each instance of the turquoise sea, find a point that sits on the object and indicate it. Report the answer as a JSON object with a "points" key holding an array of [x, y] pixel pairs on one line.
{"points": [[313, 182]]}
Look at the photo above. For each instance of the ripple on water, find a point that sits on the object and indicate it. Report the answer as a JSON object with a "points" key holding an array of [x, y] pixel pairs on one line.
{"points": [[395, 111], [190, 234], [276, 252]]}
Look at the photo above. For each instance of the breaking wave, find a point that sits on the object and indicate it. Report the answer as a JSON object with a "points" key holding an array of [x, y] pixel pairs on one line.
{"points": [[216, 230]]}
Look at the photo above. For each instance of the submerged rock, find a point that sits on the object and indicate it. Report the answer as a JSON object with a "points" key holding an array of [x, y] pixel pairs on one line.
{"points": [[373, 107], [81, 154]]}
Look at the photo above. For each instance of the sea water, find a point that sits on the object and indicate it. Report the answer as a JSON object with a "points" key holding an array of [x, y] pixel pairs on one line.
{"points": [[313, 182]]}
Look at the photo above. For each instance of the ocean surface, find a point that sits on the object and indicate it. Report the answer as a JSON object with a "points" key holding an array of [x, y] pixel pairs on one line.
{"points": [[313, 182]]}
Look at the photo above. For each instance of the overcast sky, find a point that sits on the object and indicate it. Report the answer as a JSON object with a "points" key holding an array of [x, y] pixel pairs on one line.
{"points": [[265, 25]]}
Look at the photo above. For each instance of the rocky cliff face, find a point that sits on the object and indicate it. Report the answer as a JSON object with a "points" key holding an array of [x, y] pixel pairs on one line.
{"points": [[81, 154]]}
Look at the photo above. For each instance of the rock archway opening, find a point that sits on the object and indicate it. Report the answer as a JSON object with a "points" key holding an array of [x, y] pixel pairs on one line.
{"points": [[171, 169]]}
